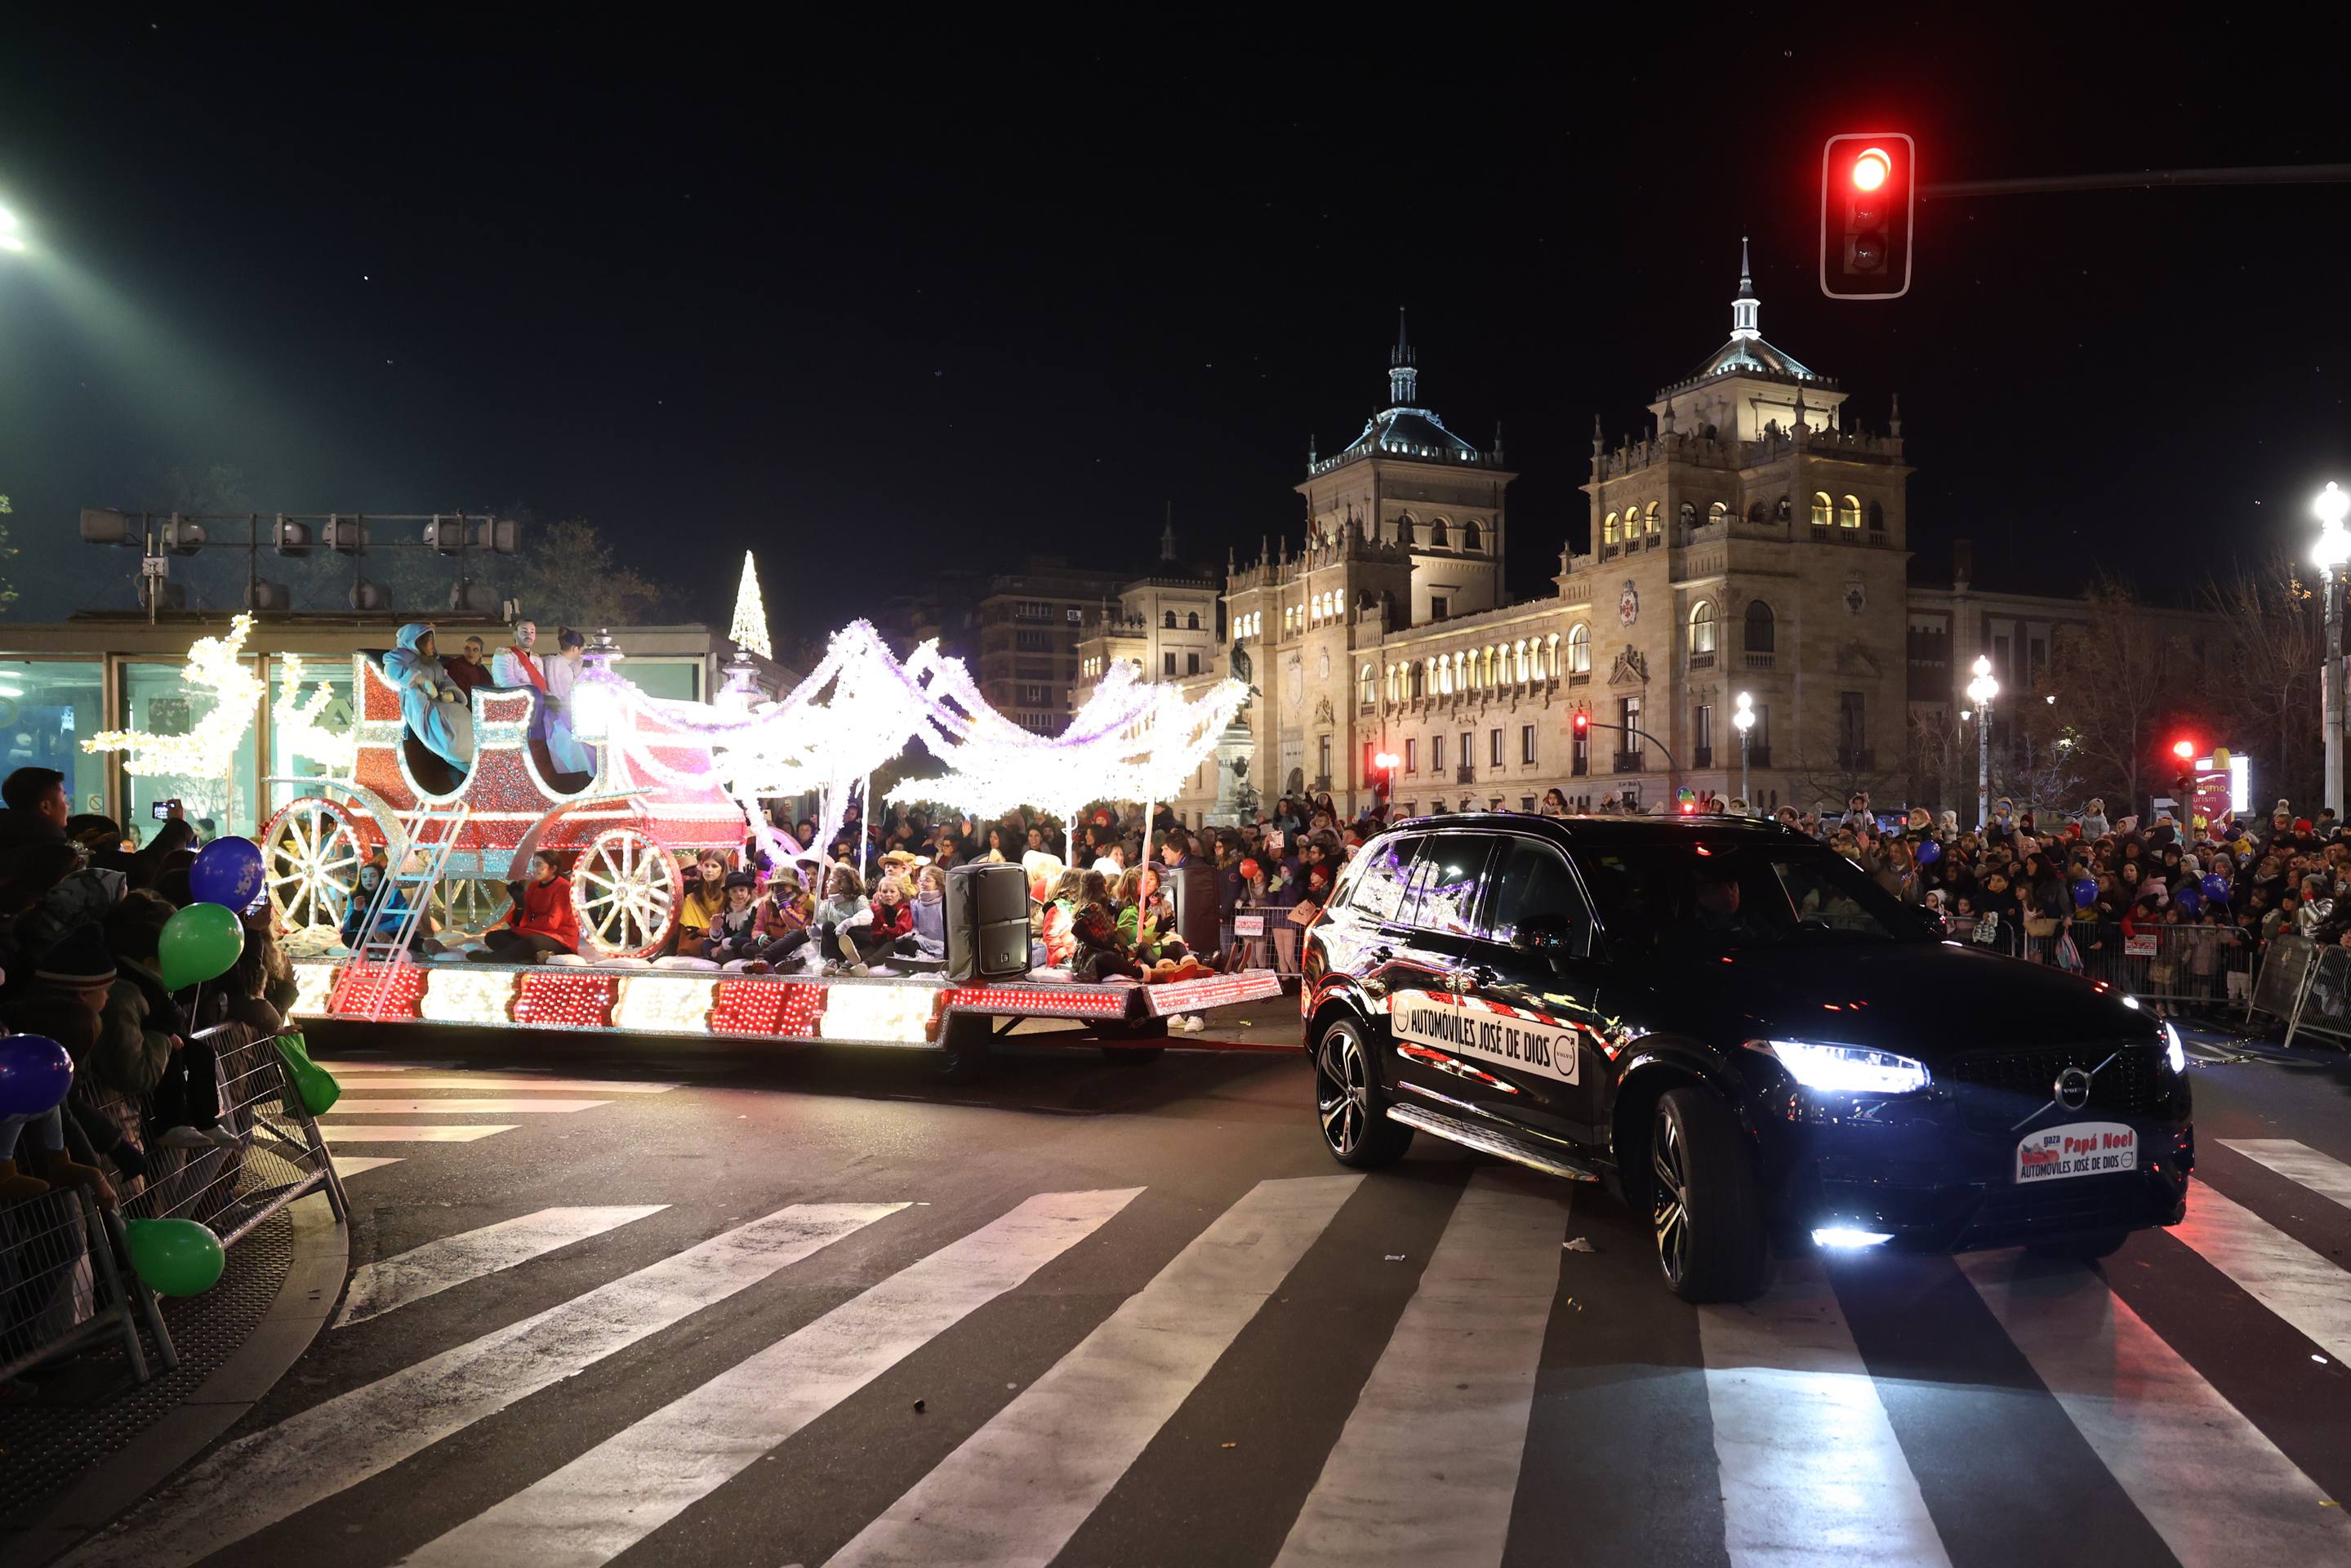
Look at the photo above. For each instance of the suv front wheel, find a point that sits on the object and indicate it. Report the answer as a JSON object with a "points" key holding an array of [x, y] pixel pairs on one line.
{"points": [[1705, 1211], [1349, 1101]]}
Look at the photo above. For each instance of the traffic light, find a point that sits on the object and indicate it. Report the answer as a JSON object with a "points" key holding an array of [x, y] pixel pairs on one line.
{"points": [[1868, 196], [2184, 750], [1583, 724]]}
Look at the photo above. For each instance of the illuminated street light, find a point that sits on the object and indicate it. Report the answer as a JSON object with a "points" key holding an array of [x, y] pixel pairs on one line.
{"points": [[12, 233], [1980, 691], [2329, 554], [1742, 719]]}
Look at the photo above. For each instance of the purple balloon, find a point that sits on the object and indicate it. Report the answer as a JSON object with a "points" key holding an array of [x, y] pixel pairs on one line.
{"points": [[2216, 887], [1929, 852], [35, 1074], [227, 873]]}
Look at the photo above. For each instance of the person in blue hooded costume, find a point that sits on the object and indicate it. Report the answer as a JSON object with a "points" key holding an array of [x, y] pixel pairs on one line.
{"points": [[431, 704]]}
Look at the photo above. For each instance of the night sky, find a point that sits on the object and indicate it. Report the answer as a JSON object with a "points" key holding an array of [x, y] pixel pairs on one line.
{"points": [[874, 303]]}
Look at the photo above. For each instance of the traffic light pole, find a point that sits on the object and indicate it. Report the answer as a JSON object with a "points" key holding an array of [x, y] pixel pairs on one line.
{"points": [[2330, 692], [2145, 180], [1673, 768]]}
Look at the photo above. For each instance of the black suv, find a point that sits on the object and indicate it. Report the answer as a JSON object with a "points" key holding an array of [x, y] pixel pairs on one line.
{"points": [[1730, 1024]]}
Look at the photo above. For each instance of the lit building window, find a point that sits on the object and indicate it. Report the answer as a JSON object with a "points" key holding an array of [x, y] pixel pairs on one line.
{"points": [[1849, 512], [1701, 627], [1822, 508], [1579, 650]]}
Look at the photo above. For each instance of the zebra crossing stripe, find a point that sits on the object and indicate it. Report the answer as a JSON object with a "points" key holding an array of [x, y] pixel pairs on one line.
{"points": [[2322, 1174], [355, 1105], [1427, 1465], [2289, 1279], [275, 1473], [394, 1282], [349, 1165], [2217, 1490], [1811, 1470], [408, 1133], [625, 1488], [1019, 1487]]}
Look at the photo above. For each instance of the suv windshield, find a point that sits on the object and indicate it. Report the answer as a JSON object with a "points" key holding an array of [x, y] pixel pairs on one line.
{"points": [[1701, 895]]}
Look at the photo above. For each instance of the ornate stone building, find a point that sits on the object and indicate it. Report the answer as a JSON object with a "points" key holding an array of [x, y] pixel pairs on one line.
{"points": [[1753, 541]]}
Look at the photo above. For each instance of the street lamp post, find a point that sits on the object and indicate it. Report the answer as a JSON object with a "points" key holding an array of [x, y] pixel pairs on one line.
{"points": [[2329, 555], [1980, 691], [1742, 719]]}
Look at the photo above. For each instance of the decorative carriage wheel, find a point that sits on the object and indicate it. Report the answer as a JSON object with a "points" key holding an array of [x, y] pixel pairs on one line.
{"points": [[469, 906], [626, 890], [310, 857]]}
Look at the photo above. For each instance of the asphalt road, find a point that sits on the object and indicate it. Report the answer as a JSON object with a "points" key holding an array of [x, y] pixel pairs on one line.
{"points": [[750, 1309]]}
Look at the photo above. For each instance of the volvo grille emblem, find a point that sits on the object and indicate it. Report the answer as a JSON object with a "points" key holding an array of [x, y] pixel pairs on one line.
{"points": [[2072, 1088]]}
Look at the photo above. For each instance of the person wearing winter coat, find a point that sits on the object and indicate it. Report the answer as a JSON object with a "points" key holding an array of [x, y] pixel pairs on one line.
{"points": [[734, 931], [930, 913], [431, 706], [1100, 950], [541, 921], [2094, 820]]}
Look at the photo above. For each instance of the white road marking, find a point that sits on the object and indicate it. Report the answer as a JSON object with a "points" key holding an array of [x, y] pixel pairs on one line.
{"points": [[275, 1473], [393, 1283], [2216, 1490], [349, 1165], [1811, 1470], [1019, 1487], [625, 1488], [2322, 1174], [2289, 1279], [379, 1132], [1428, 1463], [508, 1081], [353, 1105]]}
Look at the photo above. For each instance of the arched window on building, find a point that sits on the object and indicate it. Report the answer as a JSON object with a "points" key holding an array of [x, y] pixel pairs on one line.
{"points": [[1701, 628], [1877, 519], [1192, 622], [1690, 517], [1762, 630], [1471, 539], [1758, 514], [1371, 681], [1550, 657], [1171, 621], [1649, 519], [1717, 515], [1420, 680], [1821, 509], [1849, 512], [1608, 530], [1785, 510], [1518, 664], [1438, 532], [1579, 649], [1406, 530]]}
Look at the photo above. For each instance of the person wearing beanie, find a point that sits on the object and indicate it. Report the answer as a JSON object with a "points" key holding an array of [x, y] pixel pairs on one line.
{"points": [[78, 967]]}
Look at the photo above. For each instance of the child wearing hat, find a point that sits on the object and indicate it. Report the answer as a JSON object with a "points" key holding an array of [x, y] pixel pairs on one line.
{"points": [[77, 968], [734, 927]]}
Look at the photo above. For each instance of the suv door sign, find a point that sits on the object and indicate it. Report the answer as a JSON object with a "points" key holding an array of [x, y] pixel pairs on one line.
{"points": [[1472, 1027]]}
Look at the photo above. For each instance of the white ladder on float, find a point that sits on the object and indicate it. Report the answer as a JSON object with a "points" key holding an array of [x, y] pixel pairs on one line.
{"points": [[432, 832]]}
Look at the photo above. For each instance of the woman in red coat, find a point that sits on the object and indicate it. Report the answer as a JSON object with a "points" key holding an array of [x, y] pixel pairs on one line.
{"points": [[541, 921]]}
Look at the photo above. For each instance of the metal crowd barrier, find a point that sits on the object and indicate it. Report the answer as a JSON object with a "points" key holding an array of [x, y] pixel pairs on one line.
{"points": [[2194, 967], [65, 1275], [1263, 936], [2307, 986]]}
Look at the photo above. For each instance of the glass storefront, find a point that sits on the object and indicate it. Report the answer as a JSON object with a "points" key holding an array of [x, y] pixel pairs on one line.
{"points": [[156, 700], [46, 711], [288, 756], [657, 677]]}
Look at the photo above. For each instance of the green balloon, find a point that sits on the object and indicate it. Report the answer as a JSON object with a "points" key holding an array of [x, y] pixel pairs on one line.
{"points": [[314, 1084], [199, 943], [174, 1257]]}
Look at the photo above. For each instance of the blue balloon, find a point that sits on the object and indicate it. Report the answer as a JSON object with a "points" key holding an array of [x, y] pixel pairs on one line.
{"points": [[1929, 852], [227, 873], [2188, 899], [35, 1074], [2086, 893], [2216, 887]]}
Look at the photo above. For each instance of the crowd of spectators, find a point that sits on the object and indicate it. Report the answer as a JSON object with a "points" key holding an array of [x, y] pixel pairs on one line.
{"points": [[81, 915]]}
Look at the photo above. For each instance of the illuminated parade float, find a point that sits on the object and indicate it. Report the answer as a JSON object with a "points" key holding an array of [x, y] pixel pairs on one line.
{"points": [[673, 778]]}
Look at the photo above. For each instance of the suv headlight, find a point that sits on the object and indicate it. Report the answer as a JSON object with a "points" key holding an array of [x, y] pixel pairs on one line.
{"points": [[1844, 1069], [2174, 1053]]}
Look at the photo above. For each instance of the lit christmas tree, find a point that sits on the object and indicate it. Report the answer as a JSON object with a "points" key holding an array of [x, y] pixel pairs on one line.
{"points": [[750, 628]]}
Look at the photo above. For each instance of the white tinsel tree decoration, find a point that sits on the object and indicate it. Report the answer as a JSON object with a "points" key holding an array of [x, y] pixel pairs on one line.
{"points": [[750, 628]]}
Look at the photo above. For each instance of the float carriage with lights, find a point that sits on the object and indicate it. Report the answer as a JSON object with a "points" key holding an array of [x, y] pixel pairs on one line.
{"points": [[675, 778]]}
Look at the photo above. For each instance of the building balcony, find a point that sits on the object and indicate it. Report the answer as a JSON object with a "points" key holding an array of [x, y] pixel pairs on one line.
{"points": [[1702, 660], [1631, 762], [1762, 661], [1759, 757], [1465, 773], [1321, 784], [1579, 767], [1702, 757], [1579, 678]]}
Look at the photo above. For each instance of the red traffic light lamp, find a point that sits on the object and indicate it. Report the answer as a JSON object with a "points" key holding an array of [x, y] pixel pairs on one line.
{"points": [[1868, 197], [2184, 750], [1582, 723]]}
